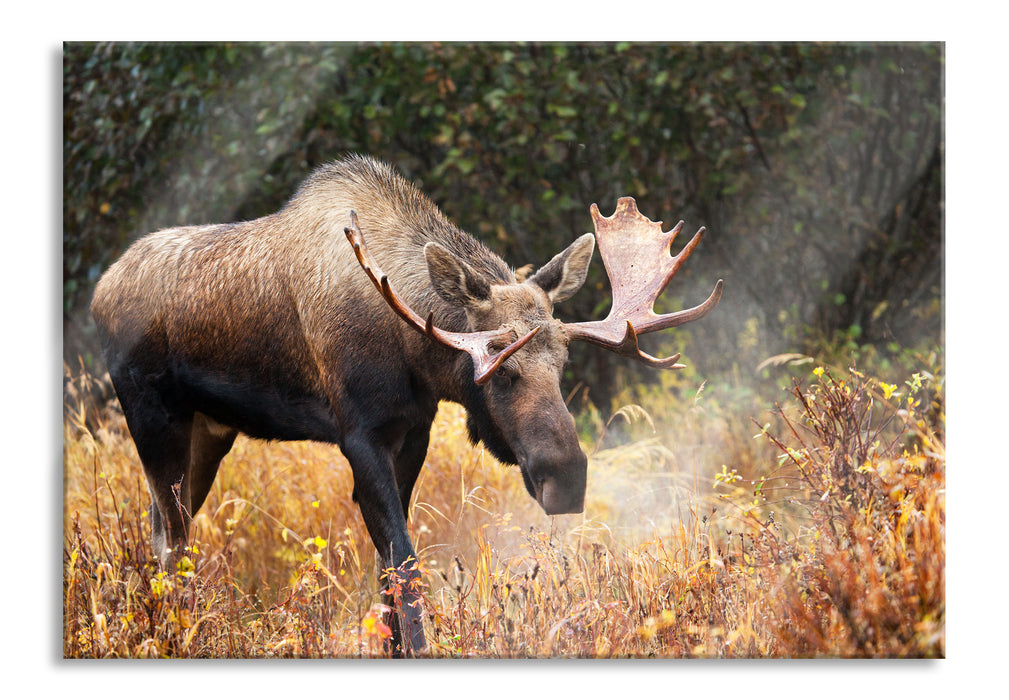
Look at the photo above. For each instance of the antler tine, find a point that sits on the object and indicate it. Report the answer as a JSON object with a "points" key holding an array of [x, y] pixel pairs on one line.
{"points": [[637, 256], [629, 348], [475, 343]]}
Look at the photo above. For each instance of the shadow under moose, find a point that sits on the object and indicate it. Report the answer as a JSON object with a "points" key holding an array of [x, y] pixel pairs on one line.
{"points": [[344, 318]]}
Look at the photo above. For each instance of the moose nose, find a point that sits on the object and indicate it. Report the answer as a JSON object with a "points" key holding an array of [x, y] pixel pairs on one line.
{"points": [[561, 488], [557, 498]]}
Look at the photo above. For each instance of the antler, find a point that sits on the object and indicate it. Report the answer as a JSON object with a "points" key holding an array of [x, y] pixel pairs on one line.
{"points": [[474, 343], [635, 252]]}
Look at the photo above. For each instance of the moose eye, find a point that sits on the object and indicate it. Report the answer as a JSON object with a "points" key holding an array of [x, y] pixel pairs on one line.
{"points": [[502, 378]]}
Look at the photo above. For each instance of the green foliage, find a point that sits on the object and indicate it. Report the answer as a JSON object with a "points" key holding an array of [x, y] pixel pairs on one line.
{"points": [[816, 168]]}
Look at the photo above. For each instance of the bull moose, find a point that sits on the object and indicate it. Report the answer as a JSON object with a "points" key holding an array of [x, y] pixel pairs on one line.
{"points": [[280, 329]]}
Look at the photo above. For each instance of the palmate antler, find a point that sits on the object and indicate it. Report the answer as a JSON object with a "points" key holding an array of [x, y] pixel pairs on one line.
{"points": [[636, 255], [475, 343]]}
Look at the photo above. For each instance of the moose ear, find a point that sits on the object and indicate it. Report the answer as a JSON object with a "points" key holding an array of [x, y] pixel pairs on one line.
{"points": [[453, 280], [565, 273]]}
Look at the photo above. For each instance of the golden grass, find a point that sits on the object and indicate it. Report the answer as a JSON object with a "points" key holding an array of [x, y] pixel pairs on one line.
{"points": [[822, 537]]}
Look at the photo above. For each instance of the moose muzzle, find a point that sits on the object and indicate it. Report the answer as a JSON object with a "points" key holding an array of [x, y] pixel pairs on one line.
{"points": [[560, 488]]}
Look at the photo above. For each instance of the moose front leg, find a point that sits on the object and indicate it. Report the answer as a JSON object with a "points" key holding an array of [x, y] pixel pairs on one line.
{"points": [[377, 495]]}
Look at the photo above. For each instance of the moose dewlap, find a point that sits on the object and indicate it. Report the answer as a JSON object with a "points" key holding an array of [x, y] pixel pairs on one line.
{"points": [[345, 318]]}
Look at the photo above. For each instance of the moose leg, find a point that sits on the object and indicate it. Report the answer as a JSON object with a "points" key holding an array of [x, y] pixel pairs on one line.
{"points": [[376, 493], [210, 442], [165, 459], [161, 431], [409, 462]]}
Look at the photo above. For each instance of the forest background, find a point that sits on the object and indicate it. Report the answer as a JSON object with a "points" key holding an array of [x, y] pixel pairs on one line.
{"points": [[816, 168]]}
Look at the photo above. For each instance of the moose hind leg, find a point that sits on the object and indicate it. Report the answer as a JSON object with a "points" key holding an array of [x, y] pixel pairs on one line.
{"points": [[210, 442], [162, 434], [165, 456]]}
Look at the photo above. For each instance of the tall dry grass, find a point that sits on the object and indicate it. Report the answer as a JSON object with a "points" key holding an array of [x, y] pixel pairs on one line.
{"points": [[821, 535]]}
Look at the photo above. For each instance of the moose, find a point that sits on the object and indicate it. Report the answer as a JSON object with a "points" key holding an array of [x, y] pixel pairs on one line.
{"points": [[345, 317]]}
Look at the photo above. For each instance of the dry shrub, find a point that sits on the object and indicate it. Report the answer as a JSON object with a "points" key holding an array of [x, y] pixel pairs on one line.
{"points": [[835, 548], [864, 572]]}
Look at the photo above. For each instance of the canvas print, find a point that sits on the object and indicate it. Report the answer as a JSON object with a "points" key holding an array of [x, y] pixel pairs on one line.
{"points": [[503, 350]]}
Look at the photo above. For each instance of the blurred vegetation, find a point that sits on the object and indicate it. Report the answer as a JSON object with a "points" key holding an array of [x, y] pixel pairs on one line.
{"points": [[816, 168]]}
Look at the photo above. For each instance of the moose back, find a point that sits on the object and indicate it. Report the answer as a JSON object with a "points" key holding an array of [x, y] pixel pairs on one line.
{"points": [[345, 318]]}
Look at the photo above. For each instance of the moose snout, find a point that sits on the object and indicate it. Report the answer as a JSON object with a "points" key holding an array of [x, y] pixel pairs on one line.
{"points": [[560, 491], [557, 498]]}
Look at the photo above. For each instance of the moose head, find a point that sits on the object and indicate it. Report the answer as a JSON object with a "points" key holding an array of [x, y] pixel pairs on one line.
{"points": [[518, 349]]}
